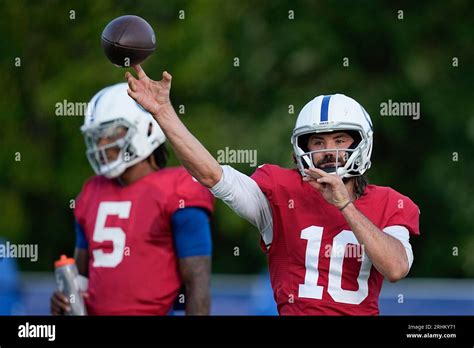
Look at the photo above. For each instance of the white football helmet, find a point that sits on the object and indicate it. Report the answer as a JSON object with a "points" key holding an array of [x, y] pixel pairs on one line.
{"points": [[334, 113], [132, 132]]}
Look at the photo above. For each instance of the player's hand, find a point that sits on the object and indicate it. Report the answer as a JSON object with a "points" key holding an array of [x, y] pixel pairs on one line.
{"points": [[152, 95], [59, 304], [331, 186]]}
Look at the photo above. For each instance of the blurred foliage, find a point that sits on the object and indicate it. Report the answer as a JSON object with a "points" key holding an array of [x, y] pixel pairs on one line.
{"points": [[282, 62]]}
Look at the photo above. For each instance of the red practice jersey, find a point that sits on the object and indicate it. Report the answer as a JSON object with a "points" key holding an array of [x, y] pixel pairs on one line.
{"points": [[133, 268], [317, 266]]}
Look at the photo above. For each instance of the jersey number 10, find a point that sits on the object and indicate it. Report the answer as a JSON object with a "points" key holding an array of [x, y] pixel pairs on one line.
{"points": [[311, 289]]}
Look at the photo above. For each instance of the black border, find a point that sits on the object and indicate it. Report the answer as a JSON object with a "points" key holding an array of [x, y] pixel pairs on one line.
{"points": [[226, 330]]}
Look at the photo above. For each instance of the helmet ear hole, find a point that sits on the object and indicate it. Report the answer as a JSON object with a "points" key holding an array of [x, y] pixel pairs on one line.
{"points": [[355, 135], [161, 155], [150, 128], [303, 142]]}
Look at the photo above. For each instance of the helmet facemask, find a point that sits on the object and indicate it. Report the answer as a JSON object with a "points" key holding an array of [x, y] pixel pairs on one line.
{"points": [[346, 162], [117, 154], [332, 162]]}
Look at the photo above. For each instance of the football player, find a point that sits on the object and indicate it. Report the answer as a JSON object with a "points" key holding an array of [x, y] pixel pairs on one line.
{"points": [[330, 237], [142, 230]]}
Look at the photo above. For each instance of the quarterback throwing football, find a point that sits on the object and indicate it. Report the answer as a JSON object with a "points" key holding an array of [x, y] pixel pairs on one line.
{"points": [[311, 216]]}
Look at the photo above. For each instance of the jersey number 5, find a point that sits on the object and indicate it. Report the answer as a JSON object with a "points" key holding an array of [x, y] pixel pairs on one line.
{"points": [[311, 289], [114, 234]]}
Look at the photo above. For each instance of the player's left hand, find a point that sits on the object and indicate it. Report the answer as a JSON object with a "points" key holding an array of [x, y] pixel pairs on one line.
{"points": [[331, 186]]}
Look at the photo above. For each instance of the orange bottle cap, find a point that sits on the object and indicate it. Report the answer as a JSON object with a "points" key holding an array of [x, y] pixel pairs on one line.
{"points": [[63, 261]]}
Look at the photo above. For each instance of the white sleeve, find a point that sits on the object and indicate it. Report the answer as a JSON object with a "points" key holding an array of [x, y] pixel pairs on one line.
{"points": [[242, 194], [401, 233]]}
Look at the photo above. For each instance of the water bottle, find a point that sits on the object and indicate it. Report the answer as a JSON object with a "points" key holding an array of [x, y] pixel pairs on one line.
{"points": [[67, 278]]}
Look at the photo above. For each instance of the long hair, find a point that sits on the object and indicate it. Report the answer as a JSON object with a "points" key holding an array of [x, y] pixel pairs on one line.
{"points": [[360, 184], [160, 155]]}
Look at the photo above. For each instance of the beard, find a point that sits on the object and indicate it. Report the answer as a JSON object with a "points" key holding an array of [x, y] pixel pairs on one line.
{"points": [[328, 162]]}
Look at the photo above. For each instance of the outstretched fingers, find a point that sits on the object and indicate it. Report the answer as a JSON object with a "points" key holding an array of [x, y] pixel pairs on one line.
{"points": [[167, 76], [139, 70], [166, 79], [132, 81], [132, 94]]}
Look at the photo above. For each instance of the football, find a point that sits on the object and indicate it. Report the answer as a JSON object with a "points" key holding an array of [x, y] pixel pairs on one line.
{"points": [[128, 40]]}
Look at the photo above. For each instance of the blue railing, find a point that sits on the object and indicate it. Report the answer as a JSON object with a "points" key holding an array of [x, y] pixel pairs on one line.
{"points": [[252, 295]]}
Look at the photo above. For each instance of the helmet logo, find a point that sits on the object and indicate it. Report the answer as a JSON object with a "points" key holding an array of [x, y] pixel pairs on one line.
{"points": [[325, 108]]}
